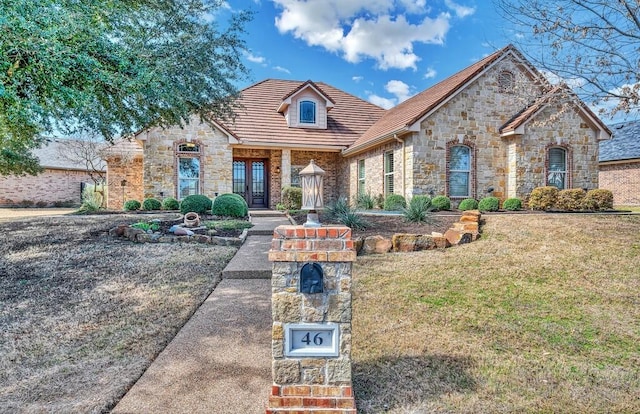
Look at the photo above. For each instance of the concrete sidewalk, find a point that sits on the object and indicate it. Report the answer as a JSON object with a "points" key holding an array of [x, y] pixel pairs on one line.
{"points": [[220, 361]]}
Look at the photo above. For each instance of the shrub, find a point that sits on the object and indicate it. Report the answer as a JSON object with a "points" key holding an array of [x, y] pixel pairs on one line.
{"points": [[598, 199], [489, 204], [353, 220], [91, 200], [233, 224], [543, 198], [379, 199], [151, 204], [394, 202], [468, 204], [26, 203], [418, 209], [365, 201], [230, 205], [132, 205], [441, 203], [197, 203], [170, 203], [342, 212], [512, 204], [41, 204], [292, 198], [570, 199]]}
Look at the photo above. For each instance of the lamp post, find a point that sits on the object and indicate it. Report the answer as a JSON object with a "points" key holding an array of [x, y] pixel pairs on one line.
{"points": [[311, 177]]}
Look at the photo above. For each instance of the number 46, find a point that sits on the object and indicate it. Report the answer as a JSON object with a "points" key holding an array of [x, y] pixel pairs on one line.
{"points": [[317, 339]]}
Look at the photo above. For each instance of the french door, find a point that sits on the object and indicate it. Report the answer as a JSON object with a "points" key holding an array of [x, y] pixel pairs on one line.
{"points": [[250, 181]]}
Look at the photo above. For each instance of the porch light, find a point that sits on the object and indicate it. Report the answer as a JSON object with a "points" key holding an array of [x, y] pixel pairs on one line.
{"points": [[311, 177]]}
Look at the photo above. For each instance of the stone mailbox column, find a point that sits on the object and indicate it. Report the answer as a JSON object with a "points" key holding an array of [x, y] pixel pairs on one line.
{"points": [[311, 339]]}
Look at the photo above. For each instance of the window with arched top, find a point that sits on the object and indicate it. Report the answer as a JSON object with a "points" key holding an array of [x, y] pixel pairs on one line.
{"points": [[307, 112], [459, 171], [188, 169], [506, 81]]}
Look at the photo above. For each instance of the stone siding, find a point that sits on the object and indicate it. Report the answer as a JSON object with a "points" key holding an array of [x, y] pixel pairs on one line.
{"points": [[623, 180], [130, 170], [48, 187], [374, 170]]}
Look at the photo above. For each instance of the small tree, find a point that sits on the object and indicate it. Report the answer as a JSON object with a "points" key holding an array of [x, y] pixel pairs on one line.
{"points": [[87, 151]]}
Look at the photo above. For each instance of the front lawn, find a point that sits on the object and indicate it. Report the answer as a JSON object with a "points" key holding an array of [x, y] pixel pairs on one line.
{"points": [[542, 314], [83, 315]]}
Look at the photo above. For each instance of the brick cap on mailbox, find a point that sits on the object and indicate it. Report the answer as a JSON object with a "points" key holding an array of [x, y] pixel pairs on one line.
{"points": [[300, 244]]}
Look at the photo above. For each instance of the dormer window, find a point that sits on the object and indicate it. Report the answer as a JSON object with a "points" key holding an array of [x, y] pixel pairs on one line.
{"points": [[307, 112]]}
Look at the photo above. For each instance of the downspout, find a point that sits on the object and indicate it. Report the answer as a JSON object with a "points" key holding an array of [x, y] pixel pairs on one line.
{"points": [[403, 163]]}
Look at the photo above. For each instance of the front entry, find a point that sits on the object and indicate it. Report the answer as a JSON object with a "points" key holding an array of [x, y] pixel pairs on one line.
{"points": [[249, 181]]}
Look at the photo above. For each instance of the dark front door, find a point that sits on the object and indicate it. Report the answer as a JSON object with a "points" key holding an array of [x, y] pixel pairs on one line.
{"points": [[249, 180]]}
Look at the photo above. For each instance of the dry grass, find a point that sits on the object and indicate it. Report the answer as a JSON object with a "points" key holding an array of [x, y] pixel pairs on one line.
{"points": [[83, 315], [540, 315]]}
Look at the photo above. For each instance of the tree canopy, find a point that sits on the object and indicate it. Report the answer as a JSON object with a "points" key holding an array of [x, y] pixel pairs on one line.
{"points": [[111, 67], [592, 45]]}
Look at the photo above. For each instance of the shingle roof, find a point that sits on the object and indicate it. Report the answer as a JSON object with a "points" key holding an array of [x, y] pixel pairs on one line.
{"points": [[124, 146], [410, 111], [259, 123], [50, 155], [625, 143]]}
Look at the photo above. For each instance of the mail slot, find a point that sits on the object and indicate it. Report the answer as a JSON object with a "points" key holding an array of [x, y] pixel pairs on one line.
{"points": [[311, 278]]}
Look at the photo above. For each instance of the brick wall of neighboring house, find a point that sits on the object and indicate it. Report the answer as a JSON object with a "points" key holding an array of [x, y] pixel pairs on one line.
{"points": [[48, 187], [511, 166], [623, 179], [119, 170]]}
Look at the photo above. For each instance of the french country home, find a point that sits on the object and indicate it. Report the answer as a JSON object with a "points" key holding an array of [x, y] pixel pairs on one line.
{"points": [[471, 135]]}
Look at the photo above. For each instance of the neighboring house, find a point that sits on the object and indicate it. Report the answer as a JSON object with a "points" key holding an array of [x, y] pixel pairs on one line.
{"points": [[61, 181], [620, 163], [467, 136]]}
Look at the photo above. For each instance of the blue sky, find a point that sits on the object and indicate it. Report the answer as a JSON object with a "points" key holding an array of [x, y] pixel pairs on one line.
{"points": [[383, 51]]}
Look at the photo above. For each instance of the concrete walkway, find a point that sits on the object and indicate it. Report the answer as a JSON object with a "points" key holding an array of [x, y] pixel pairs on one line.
{"points": [[220, 361]]}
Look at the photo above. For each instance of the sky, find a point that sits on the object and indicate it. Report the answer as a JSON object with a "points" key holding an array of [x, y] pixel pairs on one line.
{"points": [[382, 51]]}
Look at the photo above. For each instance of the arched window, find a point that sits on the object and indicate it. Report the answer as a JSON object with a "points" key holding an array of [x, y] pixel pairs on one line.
{"points": [[188, 169], [459, 178], [557, 167], [506, 81], [307, 112]]}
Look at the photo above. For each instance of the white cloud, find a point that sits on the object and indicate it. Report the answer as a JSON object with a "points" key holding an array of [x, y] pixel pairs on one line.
{"points": [[281, 69], [554, 79], [430, 73], [460, 10], [357, 79], [385, 103], [255, 59], [399, 89], [365, 29]]}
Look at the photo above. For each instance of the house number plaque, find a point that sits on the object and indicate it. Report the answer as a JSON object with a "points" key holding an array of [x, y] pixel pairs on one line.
{"points": [[311, 340]]}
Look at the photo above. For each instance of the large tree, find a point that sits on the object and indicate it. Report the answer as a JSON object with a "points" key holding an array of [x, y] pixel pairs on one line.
{"points": [[111, 67], [593, 45]]}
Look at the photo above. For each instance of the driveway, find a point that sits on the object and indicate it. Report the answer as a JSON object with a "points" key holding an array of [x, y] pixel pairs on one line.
{"points": [[7, 214]]}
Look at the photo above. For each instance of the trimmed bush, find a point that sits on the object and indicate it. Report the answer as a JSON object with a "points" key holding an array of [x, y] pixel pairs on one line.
{"points": [[440, 203], [598, 199], [170, 203], [292, 198], [132, 205], [543, 198], [570, 199], [379, 199], [512, 204], [197, 203], [394, 202], [468, 204], [418, 209], [489, 204], [230, 205], [151, 204]]}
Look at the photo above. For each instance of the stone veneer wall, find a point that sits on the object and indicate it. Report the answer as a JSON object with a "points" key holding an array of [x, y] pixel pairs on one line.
{"points": [[160, 160], [48, 187], [311, 384], [511, 166], [623, 179], [118, 170]]}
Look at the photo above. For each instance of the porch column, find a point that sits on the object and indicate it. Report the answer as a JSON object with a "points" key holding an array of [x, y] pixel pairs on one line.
{"points": [[285, 168]]}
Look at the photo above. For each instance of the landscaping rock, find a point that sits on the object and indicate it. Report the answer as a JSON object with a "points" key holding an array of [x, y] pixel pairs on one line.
{"points": [[456, 237], [412, 242], [181, 231], [376, 245]]}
